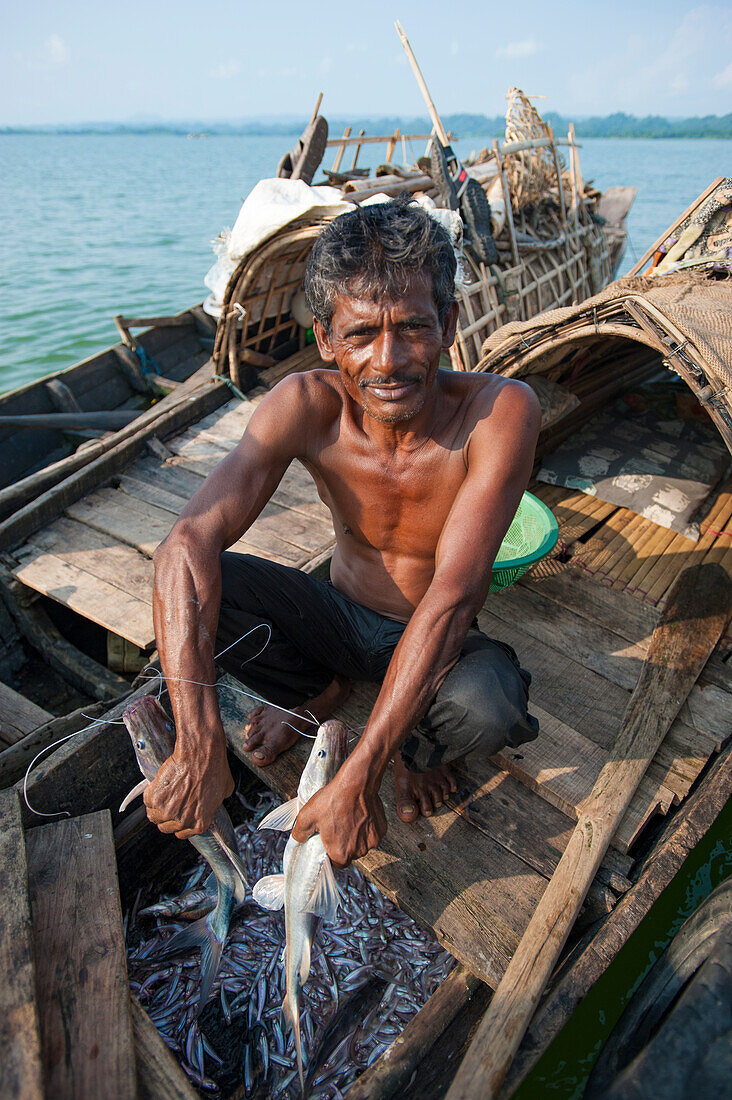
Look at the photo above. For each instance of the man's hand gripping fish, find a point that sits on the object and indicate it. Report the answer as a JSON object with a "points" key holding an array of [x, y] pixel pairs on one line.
{"points": [[153, 739], [307, 887]]}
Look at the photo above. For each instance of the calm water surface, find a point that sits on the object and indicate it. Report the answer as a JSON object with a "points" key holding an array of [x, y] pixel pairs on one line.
{"points": [[95, 225]]}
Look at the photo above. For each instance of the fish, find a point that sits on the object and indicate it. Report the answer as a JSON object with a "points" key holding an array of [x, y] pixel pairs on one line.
{"points": [[307, 887], [153, 739]]}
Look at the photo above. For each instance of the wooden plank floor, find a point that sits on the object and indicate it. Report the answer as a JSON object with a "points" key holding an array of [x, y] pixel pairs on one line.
{"points": [[97, 558], [473, 875]]}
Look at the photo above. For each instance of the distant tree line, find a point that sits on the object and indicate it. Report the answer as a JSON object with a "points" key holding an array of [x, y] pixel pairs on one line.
{"points": [[618, 125]]}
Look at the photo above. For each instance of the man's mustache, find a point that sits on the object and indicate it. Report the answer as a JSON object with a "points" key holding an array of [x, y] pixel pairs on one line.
{"points": [[391, 380]]}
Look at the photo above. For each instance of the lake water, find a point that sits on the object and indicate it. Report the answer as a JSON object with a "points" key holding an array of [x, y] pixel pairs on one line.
{"points": [[95, 225]]}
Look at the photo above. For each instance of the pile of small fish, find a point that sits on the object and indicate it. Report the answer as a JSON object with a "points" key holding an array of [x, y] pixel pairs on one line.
{"points": [[372, 970]]}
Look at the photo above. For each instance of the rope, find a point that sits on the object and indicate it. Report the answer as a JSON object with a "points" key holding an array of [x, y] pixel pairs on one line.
{"points": [[148, 364]]}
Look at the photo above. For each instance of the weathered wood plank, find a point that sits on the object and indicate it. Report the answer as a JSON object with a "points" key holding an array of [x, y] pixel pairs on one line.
{"points": [[562, 766], [448, 875], [690, 627], [15, 760], [159, 1075], [617, 657], [91, 597], [682, 833], [585, 701], [171, 414], [21, 1072], [102, 556], [127, 520], [18, 715], [83, 997]]}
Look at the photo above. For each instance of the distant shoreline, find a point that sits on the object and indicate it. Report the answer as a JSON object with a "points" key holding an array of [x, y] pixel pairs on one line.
{"points": [[616, 125]]}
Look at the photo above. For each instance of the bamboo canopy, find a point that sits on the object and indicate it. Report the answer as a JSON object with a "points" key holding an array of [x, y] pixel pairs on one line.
{"points": [[685, 318]]}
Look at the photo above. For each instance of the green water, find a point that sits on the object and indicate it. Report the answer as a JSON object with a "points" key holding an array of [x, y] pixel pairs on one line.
{"points": [[95, 225], [563, 1070]]}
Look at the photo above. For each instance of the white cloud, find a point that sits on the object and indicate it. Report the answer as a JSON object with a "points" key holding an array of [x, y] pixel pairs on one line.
{"points": [[226, 70], [723, 79], [325, 65], [454, 48], [512, 50], [56, 50]]}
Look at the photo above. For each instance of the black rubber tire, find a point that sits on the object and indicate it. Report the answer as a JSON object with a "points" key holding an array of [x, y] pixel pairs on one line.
{"points": [[660, 989]]}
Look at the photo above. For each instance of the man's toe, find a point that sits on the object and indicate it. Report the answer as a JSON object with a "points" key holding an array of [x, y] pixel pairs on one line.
{"points": [[407, 810], [262, 756]]}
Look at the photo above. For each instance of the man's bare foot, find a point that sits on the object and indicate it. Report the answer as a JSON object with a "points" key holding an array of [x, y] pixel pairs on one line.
{"points": [[270, 731], [421, 792]]}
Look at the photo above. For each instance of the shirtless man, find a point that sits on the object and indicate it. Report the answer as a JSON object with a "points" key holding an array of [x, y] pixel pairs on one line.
{"points": [[422, 470]]}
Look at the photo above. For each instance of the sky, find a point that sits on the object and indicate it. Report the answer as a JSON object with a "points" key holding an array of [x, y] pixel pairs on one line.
{"points": [[97, 61]]}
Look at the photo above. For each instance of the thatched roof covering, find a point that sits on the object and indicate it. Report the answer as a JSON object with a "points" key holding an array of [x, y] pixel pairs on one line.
{"points": [[686, 317]]}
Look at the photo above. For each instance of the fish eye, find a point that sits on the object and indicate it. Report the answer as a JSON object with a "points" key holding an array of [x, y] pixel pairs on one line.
{"points": [[321, 754], [140, 744]]}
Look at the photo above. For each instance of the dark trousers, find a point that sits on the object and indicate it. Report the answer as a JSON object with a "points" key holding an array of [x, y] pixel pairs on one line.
{"points": [[317, 632]]}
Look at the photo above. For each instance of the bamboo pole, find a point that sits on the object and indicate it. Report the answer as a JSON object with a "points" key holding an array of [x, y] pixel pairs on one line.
{"points": [[317, 108], [341, 150], [507, 201], [436, 120], [687, 632]]}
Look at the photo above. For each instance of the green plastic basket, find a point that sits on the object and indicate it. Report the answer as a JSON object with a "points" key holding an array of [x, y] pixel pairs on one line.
{"points": [[532, 535]]}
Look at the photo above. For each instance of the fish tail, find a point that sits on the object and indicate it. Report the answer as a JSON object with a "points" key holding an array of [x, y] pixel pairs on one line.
{"points": [[292, 1016], [202, 935]]}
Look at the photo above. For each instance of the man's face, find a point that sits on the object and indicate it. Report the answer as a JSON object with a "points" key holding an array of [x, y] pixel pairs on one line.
{"points": [[388, 350]]}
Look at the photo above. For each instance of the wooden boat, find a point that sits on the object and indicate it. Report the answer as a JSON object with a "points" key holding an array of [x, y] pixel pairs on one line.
{"points": [[559, 243], [580, 620]]}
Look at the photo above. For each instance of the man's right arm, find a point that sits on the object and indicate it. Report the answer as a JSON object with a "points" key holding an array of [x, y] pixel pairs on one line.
{"points": [[186, 603]]}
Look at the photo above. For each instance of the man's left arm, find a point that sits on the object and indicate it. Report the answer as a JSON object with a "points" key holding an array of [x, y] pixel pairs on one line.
{"points": [[348, 812]]}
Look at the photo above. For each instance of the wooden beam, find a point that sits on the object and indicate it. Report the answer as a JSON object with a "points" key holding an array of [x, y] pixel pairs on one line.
{"points": [[692, 623], [21, 1074], [18, 715], [83, 996], [159, 1076], [396, 1065], [15, 760], [185, 407], [684, 831]]}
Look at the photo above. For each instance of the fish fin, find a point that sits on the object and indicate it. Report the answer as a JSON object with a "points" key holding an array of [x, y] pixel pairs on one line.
{"points": [[325, 896], [281, 817], [283, 956], [136, 790], [293, 1019], [269, 892], [234, 858], [305, 961], [200, 935]]}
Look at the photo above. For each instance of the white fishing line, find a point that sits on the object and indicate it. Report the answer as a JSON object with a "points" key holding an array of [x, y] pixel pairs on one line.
{"points": [[179, 679]]}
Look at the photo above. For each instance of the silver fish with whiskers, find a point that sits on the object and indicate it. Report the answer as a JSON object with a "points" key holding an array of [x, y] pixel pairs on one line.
{"points": [[153, 739], [306, 888]]}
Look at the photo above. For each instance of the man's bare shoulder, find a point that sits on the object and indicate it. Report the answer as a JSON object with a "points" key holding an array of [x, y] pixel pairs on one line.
{"points": [[485, 398], [317, 390]]}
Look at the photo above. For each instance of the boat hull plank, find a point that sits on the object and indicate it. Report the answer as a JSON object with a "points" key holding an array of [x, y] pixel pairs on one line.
{"points": [[18, 716], [21, 1073], [83, 996]]}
